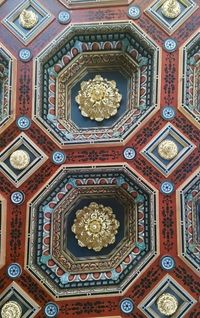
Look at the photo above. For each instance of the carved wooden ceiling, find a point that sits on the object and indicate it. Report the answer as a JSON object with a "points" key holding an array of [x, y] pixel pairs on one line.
{"points": [[99, 158]]}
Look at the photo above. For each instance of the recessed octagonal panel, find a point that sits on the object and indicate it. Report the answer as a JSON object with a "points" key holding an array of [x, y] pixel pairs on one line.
{"points": [[55, 256], [190, 222], [2, 231], [191, 78], [118, 52], [124, 208], [7, 77]]}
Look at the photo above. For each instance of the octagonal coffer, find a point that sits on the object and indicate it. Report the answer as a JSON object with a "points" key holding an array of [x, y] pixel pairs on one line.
{"points": [[56, 257], [117, 52], [7, 79], [190, 79]]}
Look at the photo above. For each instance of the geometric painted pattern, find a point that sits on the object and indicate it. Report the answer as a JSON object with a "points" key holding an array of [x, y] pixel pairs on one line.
{"points": [[184, 146], [187, 7], [37, 158], [11, 21], [191, 78], [81, 161], [58, 81], [68, 270], [171, 286], [190, 222]]}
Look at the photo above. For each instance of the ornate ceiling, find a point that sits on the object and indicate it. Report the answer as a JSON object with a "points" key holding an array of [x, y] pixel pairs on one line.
{"points": [[99, 159]]}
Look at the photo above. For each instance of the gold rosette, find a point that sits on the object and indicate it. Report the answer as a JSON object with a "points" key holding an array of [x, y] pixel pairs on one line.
{"points": [[171, 9], [28, 19], [19, 159], [168, 149], [98, 98], [95, 226], [11, 309], [167, 304]]}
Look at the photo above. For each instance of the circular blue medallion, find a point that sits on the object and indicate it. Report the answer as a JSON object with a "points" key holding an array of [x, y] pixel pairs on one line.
{"points": [[126, 305], [17, 197], [129, 153], [51, 310], [64, 17], [170, 45], [168, 112], [58, 157], [167, 263], [23, 122], [167, 187], [14, 270], [25, 55], [134, 12]]}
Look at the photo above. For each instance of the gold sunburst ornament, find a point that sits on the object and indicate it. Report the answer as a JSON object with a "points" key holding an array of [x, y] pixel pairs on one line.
{"points": [[168, 149], [167, 304], [95, 226], [11, 309], [19, 159], [28, 19], [98, 98], [171, 9]]}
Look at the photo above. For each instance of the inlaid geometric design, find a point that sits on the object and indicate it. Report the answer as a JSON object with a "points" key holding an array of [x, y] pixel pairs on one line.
{"points": [[191, 78], [11, 21], [54, 254], [168, 285], [6, 80], [92, 3], [17, 295], [190, 222], [187, 7], [36, 158], [114, 51], [170, 134]]}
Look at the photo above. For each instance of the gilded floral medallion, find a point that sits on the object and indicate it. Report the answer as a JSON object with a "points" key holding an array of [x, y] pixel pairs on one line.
{"points": [[168, 149], [171, 9], [98, 98], [167, 304], [95, 226], [28, 19], [11, 309], [19, 159]]}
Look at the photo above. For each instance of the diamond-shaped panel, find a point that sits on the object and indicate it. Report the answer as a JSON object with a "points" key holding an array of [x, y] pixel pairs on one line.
{"points": [[170, 287], [175, 148], [18, 302], [24, 34], [35, 158], [187, 7]]}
